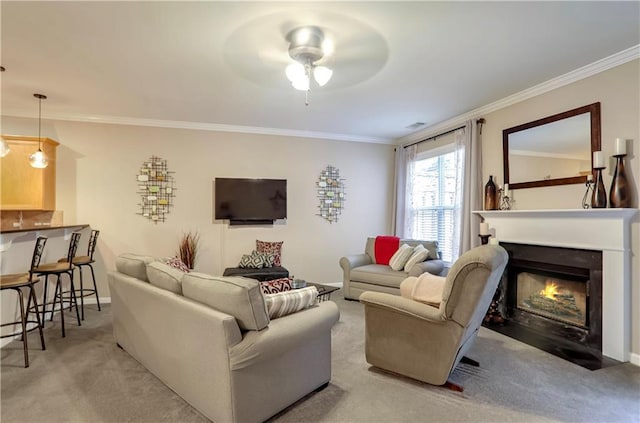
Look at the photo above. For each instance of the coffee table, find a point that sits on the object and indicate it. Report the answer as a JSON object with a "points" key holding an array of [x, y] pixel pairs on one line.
{"points": [[324, 291]]}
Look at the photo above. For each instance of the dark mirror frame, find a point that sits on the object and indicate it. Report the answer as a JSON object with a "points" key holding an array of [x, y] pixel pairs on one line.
{"points": [[593, 109]]}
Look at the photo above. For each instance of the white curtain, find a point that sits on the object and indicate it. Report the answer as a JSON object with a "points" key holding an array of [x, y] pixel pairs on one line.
{"points": [[405, 156], [469, 148]]}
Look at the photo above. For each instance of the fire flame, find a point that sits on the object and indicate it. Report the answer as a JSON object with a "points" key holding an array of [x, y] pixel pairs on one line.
{"points": [[550, 290]]}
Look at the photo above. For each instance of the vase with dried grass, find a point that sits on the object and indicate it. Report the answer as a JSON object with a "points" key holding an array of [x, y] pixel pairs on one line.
{"points": [[188, 249]]}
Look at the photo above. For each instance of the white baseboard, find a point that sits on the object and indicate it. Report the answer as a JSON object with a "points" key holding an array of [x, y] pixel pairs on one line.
{"points": [[634, 359]]}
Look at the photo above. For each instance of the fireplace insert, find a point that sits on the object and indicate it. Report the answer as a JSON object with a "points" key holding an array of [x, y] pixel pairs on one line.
{"points": [[551, 298]]}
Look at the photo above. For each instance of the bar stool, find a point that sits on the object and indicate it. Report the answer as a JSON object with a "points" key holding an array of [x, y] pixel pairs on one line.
{"points": [[26, 280], [81, 262], [59, 269]]}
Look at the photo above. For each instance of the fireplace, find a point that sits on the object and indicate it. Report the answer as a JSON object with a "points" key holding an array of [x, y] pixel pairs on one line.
{"points": [[551, 298], [605, 231]]}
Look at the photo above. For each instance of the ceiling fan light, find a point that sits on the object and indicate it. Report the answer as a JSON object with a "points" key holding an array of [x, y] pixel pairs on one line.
{"points": [[38, 160], [295, 71], [322, 75], [327, 47], [301, 83], [4, 148]]}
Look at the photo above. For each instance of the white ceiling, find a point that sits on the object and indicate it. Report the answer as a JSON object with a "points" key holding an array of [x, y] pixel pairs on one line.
{"points": [[220, 65]]}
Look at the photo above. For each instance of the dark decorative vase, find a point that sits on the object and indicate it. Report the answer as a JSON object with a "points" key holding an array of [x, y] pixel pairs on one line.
{"points": [[619, 192], [599, 196], [491, 195]]}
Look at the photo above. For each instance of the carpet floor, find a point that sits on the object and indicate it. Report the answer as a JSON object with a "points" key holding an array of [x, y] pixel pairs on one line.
{"points": [[85, 377]]}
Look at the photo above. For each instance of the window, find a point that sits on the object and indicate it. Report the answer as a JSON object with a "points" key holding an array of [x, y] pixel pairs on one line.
{"points": [[432, 211]]}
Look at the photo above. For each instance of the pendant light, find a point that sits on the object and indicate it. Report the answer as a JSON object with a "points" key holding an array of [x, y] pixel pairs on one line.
{"points": [[38, 159]]}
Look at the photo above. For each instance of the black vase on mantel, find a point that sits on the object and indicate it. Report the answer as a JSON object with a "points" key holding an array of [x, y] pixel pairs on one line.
{"points": [[491, 195], [599, 196], [619, 193]]}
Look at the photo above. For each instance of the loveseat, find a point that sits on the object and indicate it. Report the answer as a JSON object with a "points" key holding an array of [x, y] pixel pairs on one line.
{"points": [[362, 273], [211, 341]]}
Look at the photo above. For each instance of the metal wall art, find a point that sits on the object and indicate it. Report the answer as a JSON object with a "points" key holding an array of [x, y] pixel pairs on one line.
{"points": [[156, 189], [331, 194]]}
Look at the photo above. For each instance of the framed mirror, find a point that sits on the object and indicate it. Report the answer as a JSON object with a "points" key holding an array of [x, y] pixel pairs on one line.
{"points": [[555, 150]]}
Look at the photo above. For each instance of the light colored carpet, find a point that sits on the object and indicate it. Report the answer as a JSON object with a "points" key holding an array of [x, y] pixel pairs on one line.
{"points": [[85, 377]]}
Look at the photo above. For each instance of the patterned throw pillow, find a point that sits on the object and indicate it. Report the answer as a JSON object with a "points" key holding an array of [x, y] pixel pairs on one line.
{"points": [[251, 261], [274, 248], [400, 257], [276, 285], [176, 263], [418, 255], [267, 259], [289, 302]]}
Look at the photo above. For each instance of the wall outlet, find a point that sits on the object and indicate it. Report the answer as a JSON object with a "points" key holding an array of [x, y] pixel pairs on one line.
{"points": [[16, 224]]}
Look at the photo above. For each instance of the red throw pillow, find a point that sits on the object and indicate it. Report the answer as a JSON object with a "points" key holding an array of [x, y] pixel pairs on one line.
{"points": [[276, 285], [274, 248], [385, 247]]}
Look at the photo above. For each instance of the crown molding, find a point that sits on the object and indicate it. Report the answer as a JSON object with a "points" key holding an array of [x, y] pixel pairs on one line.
{"points": [[214, 127], [594, 68]]}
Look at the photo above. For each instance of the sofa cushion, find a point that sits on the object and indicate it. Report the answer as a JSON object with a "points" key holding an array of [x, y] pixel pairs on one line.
{"points": [[378, 274], [134, 265], [234, 295], [164, 276], [284, 303], [274, 248], [400, 257]]}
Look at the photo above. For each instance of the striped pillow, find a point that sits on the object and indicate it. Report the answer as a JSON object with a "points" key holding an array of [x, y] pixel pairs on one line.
{"points": [[400, 257], [418, 255], [288, 302]]}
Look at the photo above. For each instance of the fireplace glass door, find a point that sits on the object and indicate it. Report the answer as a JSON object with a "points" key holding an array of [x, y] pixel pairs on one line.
{"points": [[552, 297]]}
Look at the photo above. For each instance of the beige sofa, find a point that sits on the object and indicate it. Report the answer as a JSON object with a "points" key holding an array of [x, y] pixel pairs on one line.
{"points": [[361, 272], [210, 340]]}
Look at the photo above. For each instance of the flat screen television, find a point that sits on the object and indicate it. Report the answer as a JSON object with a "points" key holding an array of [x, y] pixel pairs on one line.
{"points": [[250, 201]]}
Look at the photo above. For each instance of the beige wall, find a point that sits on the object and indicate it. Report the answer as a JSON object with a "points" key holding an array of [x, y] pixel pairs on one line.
{"points": [[96, 184], [618, 91]]}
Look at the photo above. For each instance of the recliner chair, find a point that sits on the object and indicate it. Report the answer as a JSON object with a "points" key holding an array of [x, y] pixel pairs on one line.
{"points": [[424, 342]]}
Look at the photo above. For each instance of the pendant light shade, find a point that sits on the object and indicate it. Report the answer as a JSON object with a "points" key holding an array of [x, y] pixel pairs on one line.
{"points": [[39, 159]]}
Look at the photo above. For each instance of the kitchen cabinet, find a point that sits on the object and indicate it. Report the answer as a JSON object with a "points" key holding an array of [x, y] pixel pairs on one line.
{"points": [[25, 187]]}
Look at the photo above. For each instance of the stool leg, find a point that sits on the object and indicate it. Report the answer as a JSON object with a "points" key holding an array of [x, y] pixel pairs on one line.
{"points": [[26, 317], [24, 328], [56, 296], [73, 297], [44, 300], [95, 287], [81, 292], [35, 301], [55, 293]]}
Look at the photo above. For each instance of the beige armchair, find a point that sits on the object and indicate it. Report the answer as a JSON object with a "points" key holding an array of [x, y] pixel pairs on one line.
{"points": [[424, 342]]}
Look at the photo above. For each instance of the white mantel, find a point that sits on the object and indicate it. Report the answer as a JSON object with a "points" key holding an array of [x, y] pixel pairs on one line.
{"points": [[606, 230]]}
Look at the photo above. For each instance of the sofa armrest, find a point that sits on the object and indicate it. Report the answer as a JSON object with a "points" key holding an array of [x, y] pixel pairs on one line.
{"points": [[349, 262], [435, 267], [284, 334], [402, 305]]}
